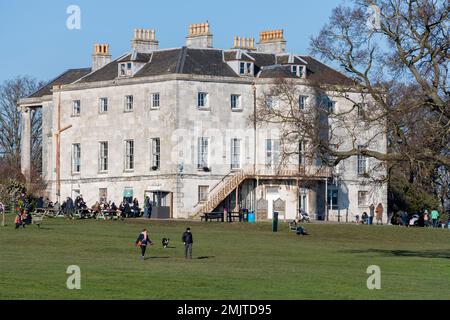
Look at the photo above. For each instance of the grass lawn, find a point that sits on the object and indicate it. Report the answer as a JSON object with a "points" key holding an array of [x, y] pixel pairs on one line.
{"points": [[231, 261]]}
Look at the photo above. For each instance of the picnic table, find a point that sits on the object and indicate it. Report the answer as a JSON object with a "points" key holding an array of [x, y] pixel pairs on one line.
{"points": [[208, 216]]}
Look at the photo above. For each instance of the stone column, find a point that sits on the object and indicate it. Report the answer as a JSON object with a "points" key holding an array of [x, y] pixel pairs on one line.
{"points": [[26, 144]]}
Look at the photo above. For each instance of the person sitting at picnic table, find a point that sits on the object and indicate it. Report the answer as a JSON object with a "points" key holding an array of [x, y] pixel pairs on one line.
{"points": [[26, 218], [124, 209], [18, 220], [135, 209], [364, 218], [96, 208]]}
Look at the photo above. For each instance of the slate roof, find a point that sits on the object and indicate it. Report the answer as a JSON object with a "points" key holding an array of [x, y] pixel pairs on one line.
{"points": [[67, 77], [195, 61]]}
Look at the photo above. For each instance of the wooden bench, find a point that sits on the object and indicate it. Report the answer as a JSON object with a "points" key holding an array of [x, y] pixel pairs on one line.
{"points": [[213, 216], [37, 220]]}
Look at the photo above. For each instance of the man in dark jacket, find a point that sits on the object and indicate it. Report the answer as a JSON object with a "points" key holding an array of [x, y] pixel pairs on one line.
{"points": [[142, 241], [188, 240]]}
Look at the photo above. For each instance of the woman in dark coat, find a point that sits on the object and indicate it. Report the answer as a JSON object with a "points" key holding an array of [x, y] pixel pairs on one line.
{"points": [[142, 241]]}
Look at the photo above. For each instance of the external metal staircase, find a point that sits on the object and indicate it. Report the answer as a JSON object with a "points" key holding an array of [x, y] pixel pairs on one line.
{"points": [[232, 181], [220, 192]]}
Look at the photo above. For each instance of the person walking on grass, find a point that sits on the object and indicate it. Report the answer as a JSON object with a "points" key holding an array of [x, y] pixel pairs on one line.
{"points": [[434, 218], [188, 240], [142, 241]]}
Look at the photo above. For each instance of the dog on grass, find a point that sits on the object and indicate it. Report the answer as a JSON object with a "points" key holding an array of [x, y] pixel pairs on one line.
{"points": [[165, 242]]}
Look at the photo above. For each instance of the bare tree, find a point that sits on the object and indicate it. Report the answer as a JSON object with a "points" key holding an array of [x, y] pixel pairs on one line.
{"points": [[401, 62], [10, 121]]}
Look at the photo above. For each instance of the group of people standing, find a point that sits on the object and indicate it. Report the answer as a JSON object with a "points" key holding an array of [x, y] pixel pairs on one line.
{"points": [[376, 213]]}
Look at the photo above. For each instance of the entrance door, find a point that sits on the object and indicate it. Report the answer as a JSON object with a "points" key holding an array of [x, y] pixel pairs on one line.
{"points": [[271, 196]]}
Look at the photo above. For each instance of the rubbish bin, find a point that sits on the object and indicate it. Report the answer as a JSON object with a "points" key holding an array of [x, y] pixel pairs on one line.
{"points": [[251, 217], [275, 222]]}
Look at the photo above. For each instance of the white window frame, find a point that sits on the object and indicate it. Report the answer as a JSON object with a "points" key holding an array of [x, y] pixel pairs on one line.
{"points": [[102, 191], [272, 152], [362, 163], [202, 100], [129, 155], [76, 108], [203, 191], [156, 100], [242, 68], [302, 152], [203, 153], [103, 156], [129, 103], [235, 153], [366, 199], [76, 158], [333, 205], [272, 102], [155, 147], [236, 102], [302, 101], [103, 107]]}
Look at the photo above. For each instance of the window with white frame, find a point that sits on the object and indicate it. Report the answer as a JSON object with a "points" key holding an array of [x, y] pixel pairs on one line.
{"points": [[129, 103], [333, 199], [272, 152], [235, 102], [125, 69], [76, 108], [103, 158], [363, 198], [103, 195], [156, 153], [202, 100], [203, 193], [362, 162], [76, 158], [103, 105], [242, 68], [249, 68], [272, 102], [298, 70], [302, 102], [235, 153], [129, 154], [203, 144], [155, 100], [301, 152]]}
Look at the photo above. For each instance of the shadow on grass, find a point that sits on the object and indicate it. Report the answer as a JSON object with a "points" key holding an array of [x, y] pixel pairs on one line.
{"points": [[205, 257], [151, 258], [432, 254]]}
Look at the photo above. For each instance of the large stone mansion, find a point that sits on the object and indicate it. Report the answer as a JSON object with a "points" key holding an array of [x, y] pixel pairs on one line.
{"points": [[174, 124]]}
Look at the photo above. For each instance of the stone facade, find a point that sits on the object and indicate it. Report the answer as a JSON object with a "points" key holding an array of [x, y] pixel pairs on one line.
{"points": [[179, 124]]}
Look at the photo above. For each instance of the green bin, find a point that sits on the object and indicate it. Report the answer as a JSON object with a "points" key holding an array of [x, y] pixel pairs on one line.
{"points": [[275, 222]]}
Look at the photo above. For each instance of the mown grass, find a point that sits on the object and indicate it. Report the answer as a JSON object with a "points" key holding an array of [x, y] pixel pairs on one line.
{"points": [[231, 261]]}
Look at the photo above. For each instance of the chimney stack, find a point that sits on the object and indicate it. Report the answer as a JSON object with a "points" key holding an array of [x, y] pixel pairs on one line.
{"points": [[244, 43], [101, 56], [144, 41], [272, 42], [199, 36]]}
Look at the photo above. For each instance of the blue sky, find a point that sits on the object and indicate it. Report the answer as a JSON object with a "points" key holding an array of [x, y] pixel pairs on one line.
{"points": [[35, 41]]}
